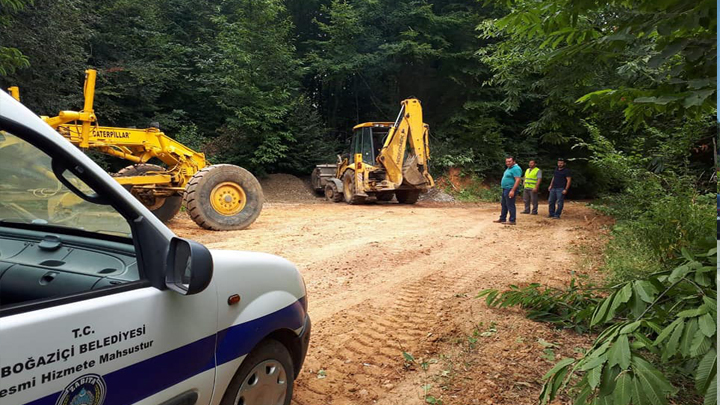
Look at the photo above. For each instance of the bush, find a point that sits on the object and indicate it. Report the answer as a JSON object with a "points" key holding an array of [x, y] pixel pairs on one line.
{"points": [[657, 217], [477, 191], [660, 332]]}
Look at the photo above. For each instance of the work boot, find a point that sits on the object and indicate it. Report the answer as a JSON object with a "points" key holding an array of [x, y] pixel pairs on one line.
{"points": [[510, 223], [524, 212], [533, 213], [499, 221]]}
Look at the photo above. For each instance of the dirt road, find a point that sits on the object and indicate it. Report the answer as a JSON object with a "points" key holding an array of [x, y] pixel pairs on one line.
{"points": [[387, 279]]}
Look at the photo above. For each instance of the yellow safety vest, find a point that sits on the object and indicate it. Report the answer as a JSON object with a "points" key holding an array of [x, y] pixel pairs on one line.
{"points": [[531, 177]]}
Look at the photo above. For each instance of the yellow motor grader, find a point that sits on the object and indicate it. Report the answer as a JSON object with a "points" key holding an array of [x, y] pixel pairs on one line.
{"points": [[385, 160], [217, 197]]}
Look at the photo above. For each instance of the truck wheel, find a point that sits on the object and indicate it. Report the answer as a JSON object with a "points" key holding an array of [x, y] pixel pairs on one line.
{"points": [[223, 198], [265, 377], [407, 196], [331, 193], [385, 196], [164, 208], [348, 180]]}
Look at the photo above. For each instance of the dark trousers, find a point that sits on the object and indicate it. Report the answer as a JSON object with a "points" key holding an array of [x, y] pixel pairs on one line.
{"points": [[508, 205], [530, 196], [556, 196]]}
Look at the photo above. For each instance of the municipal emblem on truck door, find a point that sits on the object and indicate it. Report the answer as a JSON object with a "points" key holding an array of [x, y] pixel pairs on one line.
{"points": [[89, 389]]}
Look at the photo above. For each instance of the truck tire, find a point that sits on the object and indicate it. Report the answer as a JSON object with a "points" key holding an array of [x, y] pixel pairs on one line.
{"points": [[407, 196], [164, 208], [223, 198], [349, 195], [332, 193], [385, 196], [265, 377]]}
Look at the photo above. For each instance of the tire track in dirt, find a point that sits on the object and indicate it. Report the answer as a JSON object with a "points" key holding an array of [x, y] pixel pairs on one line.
{"points": [[388, 279], [362, 363]]}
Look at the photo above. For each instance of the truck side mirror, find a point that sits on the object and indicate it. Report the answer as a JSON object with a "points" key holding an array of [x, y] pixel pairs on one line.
{"points": [[189, 267]]}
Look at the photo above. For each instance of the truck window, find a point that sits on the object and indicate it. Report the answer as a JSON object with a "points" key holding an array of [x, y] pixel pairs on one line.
{"points": [[356, 146], [29, 191], [379, 136], [52, 242], [367, 146]]}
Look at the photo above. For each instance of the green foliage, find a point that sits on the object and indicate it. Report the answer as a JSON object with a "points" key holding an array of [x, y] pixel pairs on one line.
{"points": [[658, 331], [668, 47], [189, 136], [254, 73], [11, 58], [471, 140], [275, 85], [52, 78], [660, 327], [655, 237], [476, 191], [571, 307], [646, 68]]}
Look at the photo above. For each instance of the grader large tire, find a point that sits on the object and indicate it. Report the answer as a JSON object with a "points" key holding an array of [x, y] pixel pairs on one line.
{"points": [[349, 195], [223, 198], [164, 208], [407, 196]]}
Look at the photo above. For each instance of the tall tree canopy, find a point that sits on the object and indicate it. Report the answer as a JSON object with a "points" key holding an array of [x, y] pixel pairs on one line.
{"points": [[277, 85]]}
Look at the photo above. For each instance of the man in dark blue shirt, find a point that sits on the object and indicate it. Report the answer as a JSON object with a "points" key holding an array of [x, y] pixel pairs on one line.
{"points": [[559, 186]]}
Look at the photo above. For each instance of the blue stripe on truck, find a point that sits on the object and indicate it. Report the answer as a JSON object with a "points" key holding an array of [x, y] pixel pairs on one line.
{"points": [[238, 340], [148, 377]]}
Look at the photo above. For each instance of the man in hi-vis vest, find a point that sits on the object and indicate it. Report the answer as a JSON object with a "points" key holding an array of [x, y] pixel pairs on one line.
{"points": [[532, 178]]}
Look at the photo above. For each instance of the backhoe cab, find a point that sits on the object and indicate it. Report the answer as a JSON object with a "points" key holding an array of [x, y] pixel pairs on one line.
{"points": [[385, 159], [217, 197]]}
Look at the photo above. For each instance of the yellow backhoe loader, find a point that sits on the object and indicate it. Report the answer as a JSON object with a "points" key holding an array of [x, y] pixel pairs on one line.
{"points": [[385, 159], [217, 197]]}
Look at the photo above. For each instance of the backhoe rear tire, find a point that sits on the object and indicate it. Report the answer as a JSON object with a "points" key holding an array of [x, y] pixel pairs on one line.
{"points": [[349, 194], [164, 208], [223, 198], [407, 196]]}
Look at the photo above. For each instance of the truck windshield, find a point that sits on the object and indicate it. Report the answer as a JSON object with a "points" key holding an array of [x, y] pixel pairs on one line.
{"points": [[30, 193]]}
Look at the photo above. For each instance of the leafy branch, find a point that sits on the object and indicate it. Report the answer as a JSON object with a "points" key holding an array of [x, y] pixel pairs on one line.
{"points": [[659, 328]]}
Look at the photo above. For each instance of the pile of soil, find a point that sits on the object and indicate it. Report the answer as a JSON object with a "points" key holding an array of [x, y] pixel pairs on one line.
{"points": [[286, 188], [437, 195]]}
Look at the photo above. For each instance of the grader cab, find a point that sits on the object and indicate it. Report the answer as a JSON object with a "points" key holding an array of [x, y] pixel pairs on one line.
{"points": [[217, 197]]}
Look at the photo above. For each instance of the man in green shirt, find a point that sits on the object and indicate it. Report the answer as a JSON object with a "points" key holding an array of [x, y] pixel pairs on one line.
{"points": [[531, 182], [509, 183]]}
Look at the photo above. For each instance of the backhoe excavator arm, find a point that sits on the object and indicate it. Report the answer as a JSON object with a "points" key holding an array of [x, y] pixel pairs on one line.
{"points": [[408, 127]]}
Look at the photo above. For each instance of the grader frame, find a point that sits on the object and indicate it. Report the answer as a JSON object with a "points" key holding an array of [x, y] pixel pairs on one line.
{"points": [[217, 197]]}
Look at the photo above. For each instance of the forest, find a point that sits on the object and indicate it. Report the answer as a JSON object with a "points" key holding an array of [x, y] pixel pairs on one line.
{"points": [[625, 90]]}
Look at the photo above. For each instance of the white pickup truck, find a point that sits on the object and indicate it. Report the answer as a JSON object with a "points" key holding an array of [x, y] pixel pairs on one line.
{"points": [[100, 303]]}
